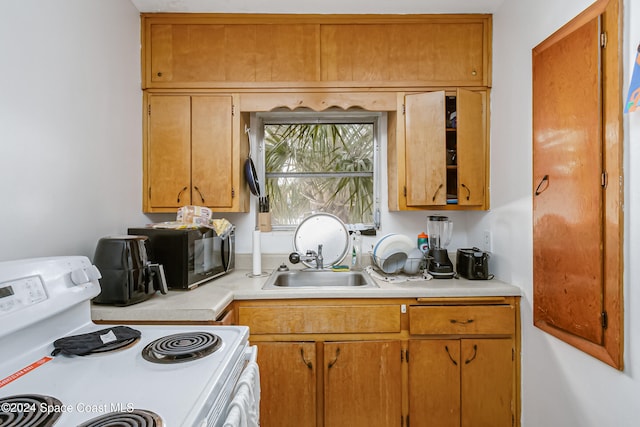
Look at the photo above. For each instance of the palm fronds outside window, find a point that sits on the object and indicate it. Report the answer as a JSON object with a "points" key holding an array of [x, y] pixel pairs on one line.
{"points": [[320, 167]]}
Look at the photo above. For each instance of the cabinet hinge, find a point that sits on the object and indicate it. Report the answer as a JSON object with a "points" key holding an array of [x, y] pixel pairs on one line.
{"points": [[233, 110], [604, 179], [407, 420], [404, 355], [149, 193], [603, 40], [149, 109], [404, 109], [513, 354], [605, 320], [233, 193], [405, 191]]}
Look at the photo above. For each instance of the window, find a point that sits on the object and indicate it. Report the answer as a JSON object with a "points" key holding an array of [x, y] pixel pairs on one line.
{"points": [[320, 162]]}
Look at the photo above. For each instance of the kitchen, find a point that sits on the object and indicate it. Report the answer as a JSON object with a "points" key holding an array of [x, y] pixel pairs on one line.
{"points": [[71, 156]]}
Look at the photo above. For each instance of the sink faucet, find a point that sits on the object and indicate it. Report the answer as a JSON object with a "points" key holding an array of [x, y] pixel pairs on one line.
{"points": [[295, 257]]}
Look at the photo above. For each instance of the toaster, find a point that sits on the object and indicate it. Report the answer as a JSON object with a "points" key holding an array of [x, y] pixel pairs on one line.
{"points": [[473, 264]]}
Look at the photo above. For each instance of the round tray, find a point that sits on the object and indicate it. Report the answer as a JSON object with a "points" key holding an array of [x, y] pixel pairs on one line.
{"points": [[326, 230]]}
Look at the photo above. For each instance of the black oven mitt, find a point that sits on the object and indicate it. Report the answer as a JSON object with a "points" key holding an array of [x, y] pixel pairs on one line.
{"points": [[83, 344]]}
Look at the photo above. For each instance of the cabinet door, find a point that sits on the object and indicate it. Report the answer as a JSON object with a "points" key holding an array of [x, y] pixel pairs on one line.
{"points": [[202, 54], [425, 149], [487, 383], [212, 151], [287, 384], [362, 384], [168, 151], [471, 148], [452, 52], [568, 200], [434, 383]]}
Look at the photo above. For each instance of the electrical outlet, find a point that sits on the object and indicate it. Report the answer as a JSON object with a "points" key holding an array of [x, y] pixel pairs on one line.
{"points": [[487, 241]]}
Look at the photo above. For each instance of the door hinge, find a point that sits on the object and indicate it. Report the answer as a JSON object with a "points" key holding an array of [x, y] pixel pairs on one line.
{"points": [[605, 320], [513, 354], [603, 39], [604, 179], [404, 356], [233, 110], [405, 191], [149, 193], [233, 193], [149, 109], [404, 109]]}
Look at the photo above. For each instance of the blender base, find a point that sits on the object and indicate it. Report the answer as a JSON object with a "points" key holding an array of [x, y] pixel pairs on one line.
{"points": [[439, 265]]}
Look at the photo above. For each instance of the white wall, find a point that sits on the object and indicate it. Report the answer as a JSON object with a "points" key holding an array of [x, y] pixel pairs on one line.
{"points": [[70, 125], [562, 387]]}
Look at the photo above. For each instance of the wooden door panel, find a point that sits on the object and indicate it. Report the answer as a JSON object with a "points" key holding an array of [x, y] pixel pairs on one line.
{"points": [[568, 201], [471, 148], [434, 383], [487, 386], [168, 145], [212, 149], [434, 52], [425, 149], [287, 384], [362, 384]]}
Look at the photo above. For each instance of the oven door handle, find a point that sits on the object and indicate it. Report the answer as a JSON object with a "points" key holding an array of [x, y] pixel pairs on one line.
{"points": [[251, 354]]}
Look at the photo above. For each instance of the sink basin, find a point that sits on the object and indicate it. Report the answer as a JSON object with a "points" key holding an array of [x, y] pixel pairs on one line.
{"points": [[311, 278]]}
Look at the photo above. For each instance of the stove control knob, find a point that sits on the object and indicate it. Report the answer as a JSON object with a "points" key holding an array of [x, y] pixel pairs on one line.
{"points": [[85, 275]]}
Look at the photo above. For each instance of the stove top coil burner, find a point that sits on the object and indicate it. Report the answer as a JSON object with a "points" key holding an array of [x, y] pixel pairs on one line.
{"points": [[182, 347], [104, 340], [29, 410], [134, 418]]}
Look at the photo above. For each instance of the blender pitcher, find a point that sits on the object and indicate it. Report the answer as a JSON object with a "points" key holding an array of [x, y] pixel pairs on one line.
{"points": [[440, 229]]}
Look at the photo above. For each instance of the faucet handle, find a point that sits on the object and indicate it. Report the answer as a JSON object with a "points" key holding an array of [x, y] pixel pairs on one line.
{"points": [[294, 257]]}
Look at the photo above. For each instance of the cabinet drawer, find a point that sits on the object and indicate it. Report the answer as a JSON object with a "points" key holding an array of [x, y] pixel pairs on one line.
{"points": [[460, 320], [316, 320]]}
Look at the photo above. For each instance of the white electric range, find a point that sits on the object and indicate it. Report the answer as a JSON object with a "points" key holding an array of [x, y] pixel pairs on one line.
{"points": [[186, 378]]}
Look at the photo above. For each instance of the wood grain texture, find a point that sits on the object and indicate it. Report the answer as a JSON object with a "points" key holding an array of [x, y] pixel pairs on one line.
{"points": [[461, 320]]}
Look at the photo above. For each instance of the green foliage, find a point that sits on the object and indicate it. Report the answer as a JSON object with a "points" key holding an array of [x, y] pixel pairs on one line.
{"points": [[320, 168]]}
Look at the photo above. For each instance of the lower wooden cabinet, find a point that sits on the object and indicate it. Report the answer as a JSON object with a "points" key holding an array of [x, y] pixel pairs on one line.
{"points": [[449, 363], [362, 383], [461, 382], [288, 383]]}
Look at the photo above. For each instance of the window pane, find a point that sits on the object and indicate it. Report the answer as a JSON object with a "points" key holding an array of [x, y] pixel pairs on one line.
{"points": [[349, 198], [318, 147], [320, 167]]}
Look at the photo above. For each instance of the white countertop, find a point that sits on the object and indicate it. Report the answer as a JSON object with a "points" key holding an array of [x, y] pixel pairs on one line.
{"points": [[208, 301]]}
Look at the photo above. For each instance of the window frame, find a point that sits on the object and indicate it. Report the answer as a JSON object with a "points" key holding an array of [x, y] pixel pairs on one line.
{"points": [[259, 120]]}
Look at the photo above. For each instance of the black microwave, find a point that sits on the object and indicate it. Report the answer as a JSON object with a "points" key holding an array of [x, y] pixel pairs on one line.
{"points": [[190, 256]]}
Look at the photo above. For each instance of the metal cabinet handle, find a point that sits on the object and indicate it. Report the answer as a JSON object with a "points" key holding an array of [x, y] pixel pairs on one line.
{"points": [[468, 190], [199, 193], [450, 356], [433, 199], [542, 181], [305, 361], [333, 362], [461, 322], [475, 353], [180, 193]]}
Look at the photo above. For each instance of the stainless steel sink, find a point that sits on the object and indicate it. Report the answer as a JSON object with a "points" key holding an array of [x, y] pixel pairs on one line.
{"points": [[311, 278]]}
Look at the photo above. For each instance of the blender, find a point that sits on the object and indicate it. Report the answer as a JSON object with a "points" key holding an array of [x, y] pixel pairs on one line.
{"points": [[439, 229]]}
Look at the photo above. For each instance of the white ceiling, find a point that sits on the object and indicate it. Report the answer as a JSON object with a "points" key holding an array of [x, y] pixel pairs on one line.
{"points": [[319, 6]]}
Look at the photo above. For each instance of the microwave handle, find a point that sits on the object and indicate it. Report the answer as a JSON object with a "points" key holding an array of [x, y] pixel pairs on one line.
{"points": [[159, 279], [227, 251]]}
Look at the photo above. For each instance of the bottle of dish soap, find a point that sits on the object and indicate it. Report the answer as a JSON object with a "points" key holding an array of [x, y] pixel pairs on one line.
{"points": [[356, 249]]}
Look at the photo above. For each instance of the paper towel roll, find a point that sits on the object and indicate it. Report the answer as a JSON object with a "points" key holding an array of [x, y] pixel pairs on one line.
{"points": [[257, 254]]}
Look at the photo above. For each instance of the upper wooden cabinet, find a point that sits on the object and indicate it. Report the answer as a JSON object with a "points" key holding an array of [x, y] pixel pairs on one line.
{"points": [[438, 152], [189, 153], [275, 51]]}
